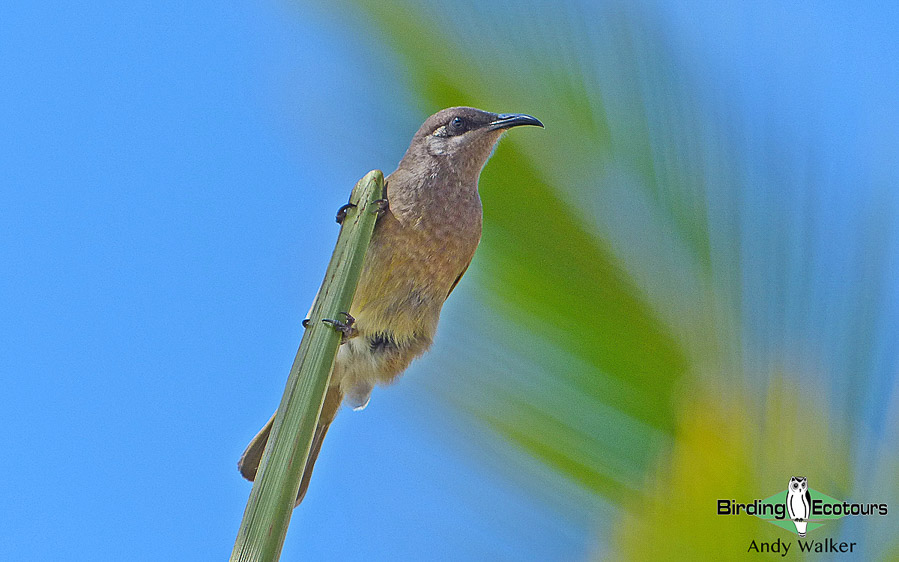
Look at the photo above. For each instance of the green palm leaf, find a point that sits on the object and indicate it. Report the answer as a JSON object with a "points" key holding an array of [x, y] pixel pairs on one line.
{"points": [[624, 310], [541, 263]]}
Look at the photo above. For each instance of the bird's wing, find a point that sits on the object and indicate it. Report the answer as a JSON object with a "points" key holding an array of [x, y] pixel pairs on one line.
{"points": [[456, 282]]}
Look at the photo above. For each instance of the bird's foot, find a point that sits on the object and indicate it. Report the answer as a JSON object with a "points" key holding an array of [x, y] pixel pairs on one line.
{"points": [[346, 329], [383, 205], [341, 212], [306, 323]]}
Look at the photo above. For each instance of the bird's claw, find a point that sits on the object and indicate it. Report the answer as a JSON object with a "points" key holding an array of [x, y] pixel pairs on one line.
{"points": [[383, 205], [345, 328], [341, 212], [306, 323]]}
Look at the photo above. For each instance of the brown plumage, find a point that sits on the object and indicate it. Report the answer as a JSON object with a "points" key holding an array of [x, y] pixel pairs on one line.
{"points": [[420, 248]]}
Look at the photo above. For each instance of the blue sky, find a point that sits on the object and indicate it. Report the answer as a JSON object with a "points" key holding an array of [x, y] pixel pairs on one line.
{"points": [[169, 176]]}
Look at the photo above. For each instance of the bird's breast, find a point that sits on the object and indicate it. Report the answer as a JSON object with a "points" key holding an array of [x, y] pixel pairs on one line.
{"points": [[410, 267]]}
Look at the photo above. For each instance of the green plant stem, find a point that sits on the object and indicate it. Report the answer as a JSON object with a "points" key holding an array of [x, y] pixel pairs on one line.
{"points": [[271, 502]]}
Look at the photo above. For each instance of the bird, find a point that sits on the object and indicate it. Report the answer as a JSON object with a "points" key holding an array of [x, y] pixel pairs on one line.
{"points": [[423, 242], [799, 503]]}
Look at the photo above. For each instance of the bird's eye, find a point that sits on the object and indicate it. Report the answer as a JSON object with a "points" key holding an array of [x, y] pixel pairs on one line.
{"points": [[456, 126]]}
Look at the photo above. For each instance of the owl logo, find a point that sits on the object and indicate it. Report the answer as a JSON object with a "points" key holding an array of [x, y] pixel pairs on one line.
{"points": [[799, 502]]}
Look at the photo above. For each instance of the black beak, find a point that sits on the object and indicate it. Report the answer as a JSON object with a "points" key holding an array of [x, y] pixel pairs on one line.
{"points": [[509, 120]]}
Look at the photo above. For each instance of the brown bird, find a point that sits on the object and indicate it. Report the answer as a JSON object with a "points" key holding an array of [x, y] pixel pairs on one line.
{"points": [[421, 246]]}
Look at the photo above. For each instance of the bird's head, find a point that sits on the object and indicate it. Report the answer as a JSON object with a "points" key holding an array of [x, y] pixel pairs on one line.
{"points": [[798, 483], [463, 138]]}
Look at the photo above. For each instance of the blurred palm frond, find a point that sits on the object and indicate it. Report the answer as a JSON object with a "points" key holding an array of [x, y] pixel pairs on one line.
{"points": [[651, 286]]}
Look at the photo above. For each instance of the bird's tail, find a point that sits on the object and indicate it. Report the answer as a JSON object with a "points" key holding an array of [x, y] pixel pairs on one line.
{"points": [[249, 461]]}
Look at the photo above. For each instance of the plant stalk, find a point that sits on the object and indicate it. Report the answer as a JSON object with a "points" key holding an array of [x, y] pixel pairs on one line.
{"points": [[274, 492]]}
